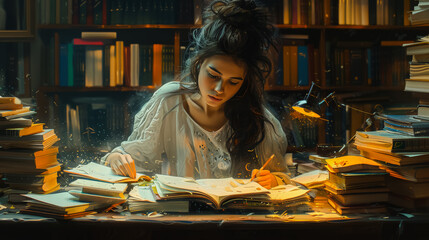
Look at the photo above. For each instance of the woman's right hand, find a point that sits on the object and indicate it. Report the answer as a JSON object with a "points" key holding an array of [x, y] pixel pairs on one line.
{"points": [[122, 164]]}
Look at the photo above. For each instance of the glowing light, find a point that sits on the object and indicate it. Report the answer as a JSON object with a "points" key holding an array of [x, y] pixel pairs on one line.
{"points": [[306, 112]]}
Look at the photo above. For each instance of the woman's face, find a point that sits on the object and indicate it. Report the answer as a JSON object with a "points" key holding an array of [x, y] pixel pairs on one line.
{"points": [[219, 79]]}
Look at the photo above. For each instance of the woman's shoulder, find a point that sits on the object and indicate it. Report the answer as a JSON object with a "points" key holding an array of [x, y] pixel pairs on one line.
{"points": [[166, 88]]}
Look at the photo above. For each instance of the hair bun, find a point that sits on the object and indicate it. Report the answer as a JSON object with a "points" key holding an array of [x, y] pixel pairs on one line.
{"points": [[247, 5], [238, 13]]}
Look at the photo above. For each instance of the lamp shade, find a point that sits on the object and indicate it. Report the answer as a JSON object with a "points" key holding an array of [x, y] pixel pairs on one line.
{"points": [[308, 109]]}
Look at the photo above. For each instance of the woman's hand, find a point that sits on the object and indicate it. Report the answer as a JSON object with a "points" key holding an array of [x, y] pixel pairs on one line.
{"points": [[265, 178], [122, 164]]}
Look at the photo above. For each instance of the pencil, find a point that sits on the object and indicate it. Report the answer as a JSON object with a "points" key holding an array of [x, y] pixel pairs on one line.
{"points": [[263, 166]]}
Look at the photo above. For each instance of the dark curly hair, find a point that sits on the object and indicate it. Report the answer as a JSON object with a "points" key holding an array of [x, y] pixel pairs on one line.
{"points": [[240, 29]]}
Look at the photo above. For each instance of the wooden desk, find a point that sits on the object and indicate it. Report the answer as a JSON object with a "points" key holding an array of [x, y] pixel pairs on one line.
{"points": [[320, 223]]}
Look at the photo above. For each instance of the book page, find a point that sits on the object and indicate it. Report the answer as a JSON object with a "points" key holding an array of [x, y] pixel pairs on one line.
{"points": [[312, 177], [287, 192], [142, 193]]}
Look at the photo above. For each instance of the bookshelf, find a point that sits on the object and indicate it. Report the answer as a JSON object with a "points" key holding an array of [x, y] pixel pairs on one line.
{"points": [[328, 40], [16, 33]]}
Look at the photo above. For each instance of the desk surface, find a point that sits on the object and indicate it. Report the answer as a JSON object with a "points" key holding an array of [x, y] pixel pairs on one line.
{"points": [[320, 222]]}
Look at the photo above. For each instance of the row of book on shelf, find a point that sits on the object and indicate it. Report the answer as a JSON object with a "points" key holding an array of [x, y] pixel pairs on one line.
{"points": [[301, 12], [111, 12], [347, 63], [102, 60], [341, 12], [28, 154]]}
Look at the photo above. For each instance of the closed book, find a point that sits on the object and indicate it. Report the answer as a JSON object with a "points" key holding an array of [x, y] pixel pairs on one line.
{"points": [[358, 180], [26, 154], [303, 66], [59, 203], [10, 106], [101, 188], [38, 162], [13, 100], [18, 115], [24, 131], [16, 123], [416, 85], [408, 188], [361, 198], [6, 113], [30, 144], [399, 158], [31, 170], [30, 178], [423, 111], [36, 187], [331, 187], [90, 197], [414, 173], [409, 130], [386, 141], [409, 203], [409, 124], [373, 208]]}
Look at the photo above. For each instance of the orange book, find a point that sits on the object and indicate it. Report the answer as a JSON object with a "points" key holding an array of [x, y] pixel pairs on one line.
{"points": [[10, 106], [13, 100], [23, 131], [5, 113], [157, 65], [127, 77]]}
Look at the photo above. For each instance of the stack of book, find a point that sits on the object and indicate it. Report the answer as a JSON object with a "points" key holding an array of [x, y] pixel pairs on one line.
{"points": [[59, 205], [356, 185], [104, 193], [420, 14], [406, 158], [418, 82], [28, 159]]}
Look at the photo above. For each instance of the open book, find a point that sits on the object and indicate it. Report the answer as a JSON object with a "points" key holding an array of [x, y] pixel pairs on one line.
{"points": [[224, 193], [104, 173]]}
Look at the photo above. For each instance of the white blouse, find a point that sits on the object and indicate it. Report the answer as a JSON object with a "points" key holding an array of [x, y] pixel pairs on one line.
{"points": [[165, 139]]}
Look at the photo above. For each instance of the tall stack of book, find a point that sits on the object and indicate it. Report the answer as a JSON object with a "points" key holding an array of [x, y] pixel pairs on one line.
{"points": [[420, 14], [405, 156], [418, 82], [419, 65], [28, 159], [356, 185]]}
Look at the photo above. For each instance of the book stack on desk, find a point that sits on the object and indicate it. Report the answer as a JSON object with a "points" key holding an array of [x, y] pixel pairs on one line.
{"points": [[171, 193], [406, 159], [88, 190], [59, 205], [356, 185], [28, 159]]}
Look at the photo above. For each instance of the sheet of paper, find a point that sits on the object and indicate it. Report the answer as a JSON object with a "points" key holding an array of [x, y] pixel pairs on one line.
{"points": [[142, 193], [286, 192]]}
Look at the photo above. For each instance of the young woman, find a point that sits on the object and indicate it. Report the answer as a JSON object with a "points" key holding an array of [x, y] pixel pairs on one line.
{"points": [[212, 123]]}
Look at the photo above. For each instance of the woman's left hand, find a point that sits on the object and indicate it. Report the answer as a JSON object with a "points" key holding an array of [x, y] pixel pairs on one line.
{"points": [[265, 178]]}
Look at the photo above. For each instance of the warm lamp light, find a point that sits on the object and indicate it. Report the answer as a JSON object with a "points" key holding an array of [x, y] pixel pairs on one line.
{"points": [[310, 106]]}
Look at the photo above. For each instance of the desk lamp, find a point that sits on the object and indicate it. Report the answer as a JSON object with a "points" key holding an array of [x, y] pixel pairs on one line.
{"points": [[310, 106]]}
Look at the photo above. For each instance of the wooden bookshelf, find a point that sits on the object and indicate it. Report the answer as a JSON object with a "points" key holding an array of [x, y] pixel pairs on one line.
{"points": [[325, 36]]}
